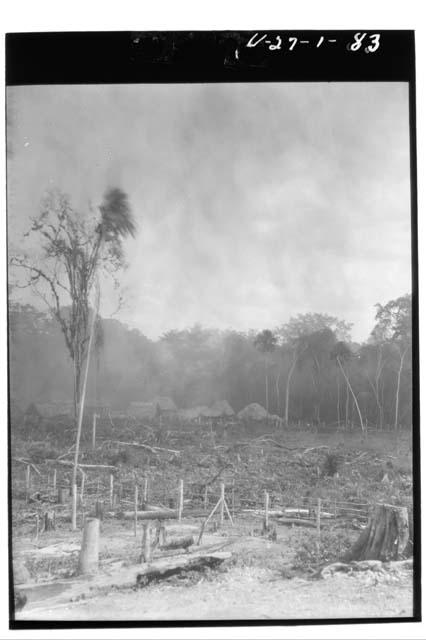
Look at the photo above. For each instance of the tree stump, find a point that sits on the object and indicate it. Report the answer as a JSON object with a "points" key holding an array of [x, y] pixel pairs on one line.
{"points": [[385, 537], [89, 554], [99, 510], [49, 521]]}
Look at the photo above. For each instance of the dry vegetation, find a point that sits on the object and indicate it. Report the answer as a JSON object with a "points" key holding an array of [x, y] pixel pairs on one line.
{"points": [[347, 471]]}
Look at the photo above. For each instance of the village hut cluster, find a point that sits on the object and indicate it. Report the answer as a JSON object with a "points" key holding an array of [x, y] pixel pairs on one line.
{"points": [[161, 408]]}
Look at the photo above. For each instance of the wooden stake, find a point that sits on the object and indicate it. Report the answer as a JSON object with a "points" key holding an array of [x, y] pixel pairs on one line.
{"points": [[83, 478], [203, 526], [136, 509], [318, 528], [145, 490], [227, 512], [28, 483], [89, 554], [54, 480], [180, 500], [111, 490], [266, 510], [74, 507], [206, 498], [94, 431], [222, 501], [37, 526], [233, 498]]}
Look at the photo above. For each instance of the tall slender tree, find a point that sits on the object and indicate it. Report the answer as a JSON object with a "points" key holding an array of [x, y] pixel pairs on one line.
{"points": [[266, 342]]}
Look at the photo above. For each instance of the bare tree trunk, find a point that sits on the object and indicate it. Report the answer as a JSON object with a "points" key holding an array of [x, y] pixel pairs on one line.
{"points": [[277, 389], [266, 386], [338, 399], [80, 416], [287, 390], [353, 395], [402, 357], [347, 408]]}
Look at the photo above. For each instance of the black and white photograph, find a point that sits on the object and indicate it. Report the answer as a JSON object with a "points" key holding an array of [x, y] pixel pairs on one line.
{"points": [[212, 407]]}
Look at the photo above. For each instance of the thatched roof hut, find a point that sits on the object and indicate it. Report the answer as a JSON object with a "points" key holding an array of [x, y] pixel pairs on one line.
{"points": [[221, 409], [165, 404], [142, 410], [254, 412], [193, 413]]}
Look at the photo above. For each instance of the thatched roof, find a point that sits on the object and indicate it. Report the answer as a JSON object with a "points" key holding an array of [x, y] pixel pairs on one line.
{"points": [[141, 410], [253, 411], [164, 403], [193, 413], [221, 408]]}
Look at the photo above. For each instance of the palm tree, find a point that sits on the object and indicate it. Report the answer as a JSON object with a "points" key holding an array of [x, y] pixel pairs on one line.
{"points": [[341, 353], [266, 342], [116, 224]]}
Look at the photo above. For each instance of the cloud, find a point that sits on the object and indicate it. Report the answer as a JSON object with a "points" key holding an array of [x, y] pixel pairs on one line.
{"points": [[254, 201]]}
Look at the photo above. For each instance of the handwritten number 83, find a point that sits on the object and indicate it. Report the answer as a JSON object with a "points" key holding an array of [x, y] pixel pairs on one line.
{"points": [[359, 39]]}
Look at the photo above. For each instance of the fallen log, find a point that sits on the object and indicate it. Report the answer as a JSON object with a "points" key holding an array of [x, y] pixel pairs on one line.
{"points": [[299, 522], [67, 463], [163, 514], [141, 446], [199, 563], [177, 543], [126, 578]]}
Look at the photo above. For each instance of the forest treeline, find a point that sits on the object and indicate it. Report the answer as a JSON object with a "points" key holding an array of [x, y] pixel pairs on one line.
{"points": [[307, 369]]}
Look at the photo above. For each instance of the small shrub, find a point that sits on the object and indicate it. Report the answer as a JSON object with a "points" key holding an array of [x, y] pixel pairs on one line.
{"points": [[331, 464], [122, 456], [309, 555]]}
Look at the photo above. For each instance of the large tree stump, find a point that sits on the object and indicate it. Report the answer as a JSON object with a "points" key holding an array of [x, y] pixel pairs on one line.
{"points": [[385, 537], [89, 553]]}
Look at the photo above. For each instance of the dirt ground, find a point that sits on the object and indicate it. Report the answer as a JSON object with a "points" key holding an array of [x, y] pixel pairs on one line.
{"points": [[257, 583], [246, 593], [264, 578]]}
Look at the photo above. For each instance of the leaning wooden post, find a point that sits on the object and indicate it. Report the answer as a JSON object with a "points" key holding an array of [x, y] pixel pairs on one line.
{"points": [[266, 525], [95, 416], [28, 483], [136, 509], [318, 529], [145, 490], [111, 490], [222, 502], [180, 500], [89, 554], [54, 480]]}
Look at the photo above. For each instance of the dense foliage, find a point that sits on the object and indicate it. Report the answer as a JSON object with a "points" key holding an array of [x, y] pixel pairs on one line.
{"points": [[311, 357]]}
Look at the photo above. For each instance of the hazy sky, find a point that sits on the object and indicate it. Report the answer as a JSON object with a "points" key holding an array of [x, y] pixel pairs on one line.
{"points": [[254, 202]]}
